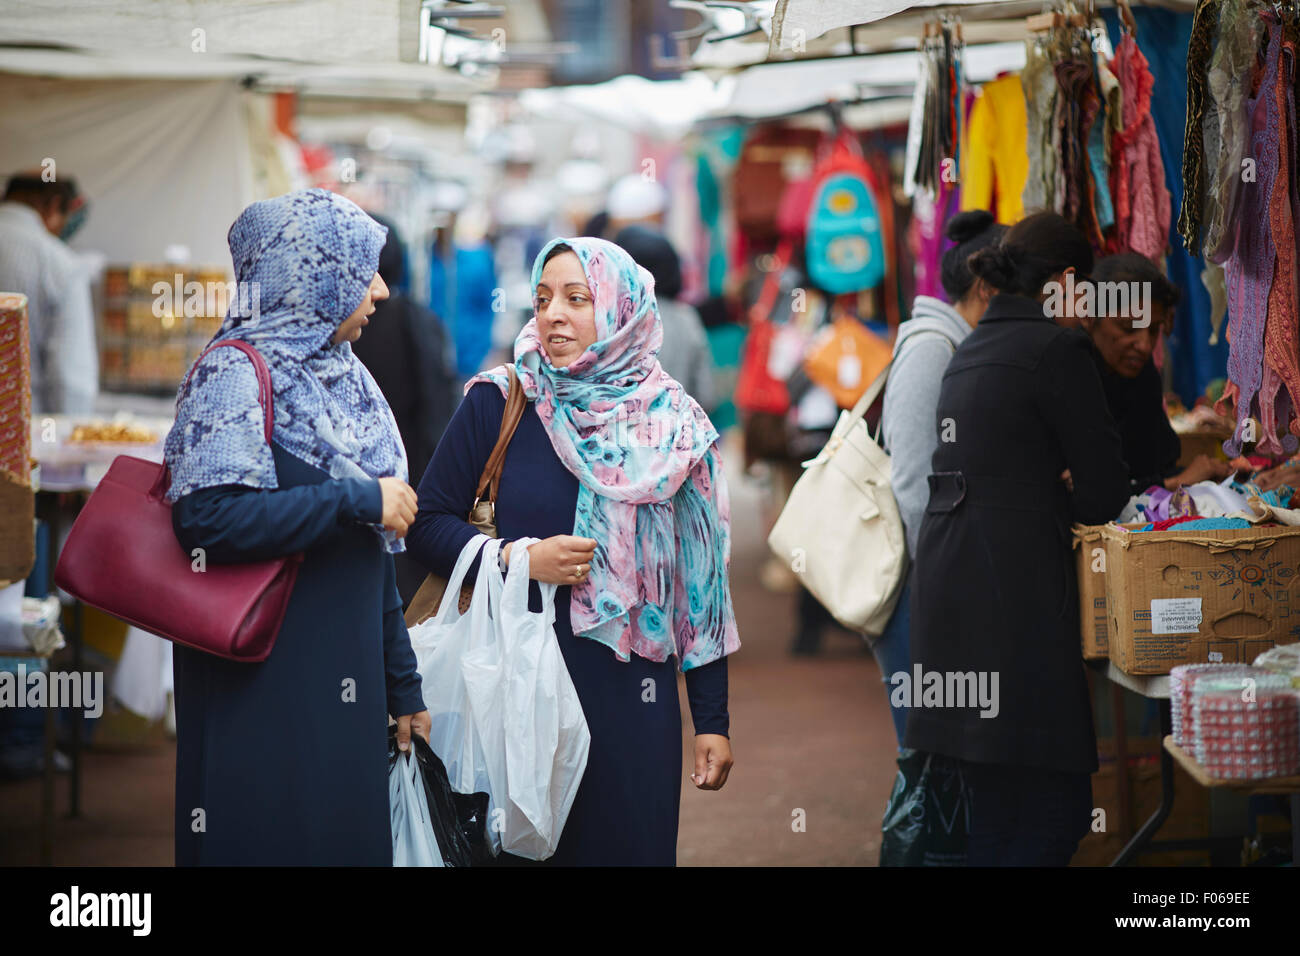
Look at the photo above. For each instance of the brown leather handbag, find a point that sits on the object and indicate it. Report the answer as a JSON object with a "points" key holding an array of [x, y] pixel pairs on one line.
{"points": [[483, 513]]}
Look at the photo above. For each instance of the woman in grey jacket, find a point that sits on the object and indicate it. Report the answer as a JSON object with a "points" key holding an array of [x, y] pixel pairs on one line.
{"points": [[925, 343]]}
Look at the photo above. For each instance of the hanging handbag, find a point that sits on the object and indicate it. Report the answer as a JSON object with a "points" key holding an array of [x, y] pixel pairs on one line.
{"points": [[482, 514], [122, 557], [841, 530], [845, 357]]}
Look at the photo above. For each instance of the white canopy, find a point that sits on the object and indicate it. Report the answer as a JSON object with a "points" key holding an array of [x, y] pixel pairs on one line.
{"points": [[797, 21], [311, 31], [162, 163]]}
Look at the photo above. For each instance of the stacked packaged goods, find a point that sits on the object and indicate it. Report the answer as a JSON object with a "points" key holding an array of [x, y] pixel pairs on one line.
{"points": [[1246, 727], [1181, 681]]}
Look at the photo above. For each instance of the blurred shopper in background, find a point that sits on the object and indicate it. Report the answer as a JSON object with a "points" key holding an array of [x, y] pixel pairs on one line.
{"points": [[36, 220], [463, 290], [995, 592], [635, 200], [726, 338], [405, 348], [407, 351], [925, 344], [685, 353]]}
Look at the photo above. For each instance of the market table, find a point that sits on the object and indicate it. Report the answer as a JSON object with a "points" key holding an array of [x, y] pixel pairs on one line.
{"points": [[1157, 688], [67, 474], [1152, 688], [1287, 786]]}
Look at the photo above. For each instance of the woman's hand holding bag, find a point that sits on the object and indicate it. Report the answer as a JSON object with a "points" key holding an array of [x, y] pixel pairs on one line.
{"points": [[506, 718], [559, 559]]}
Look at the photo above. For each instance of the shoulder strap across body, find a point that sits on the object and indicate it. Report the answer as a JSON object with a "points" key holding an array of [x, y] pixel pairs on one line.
{"points": [[490, 481]]}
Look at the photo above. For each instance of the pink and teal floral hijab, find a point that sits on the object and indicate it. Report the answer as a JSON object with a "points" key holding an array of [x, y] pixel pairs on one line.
{"points": [[651, 488]]}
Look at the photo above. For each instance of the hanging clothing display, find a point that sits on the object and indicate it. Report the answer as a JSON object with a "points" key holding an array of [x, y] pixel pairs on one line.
{"points": [[926, 240], [936, 129], [995, 160], [1241, 206], [1196, 358], [1137, 173], [1038, 82], [937, 139], [1196, 142], [1223, 132], [1069, 98], [1091, 145]]}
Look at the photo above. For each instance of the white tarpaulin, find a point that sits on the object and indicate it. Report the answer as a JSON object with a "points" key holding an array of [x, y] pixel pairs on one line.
{"points": [[162, 163], [333, 31], [774, 89], [796, 21]]}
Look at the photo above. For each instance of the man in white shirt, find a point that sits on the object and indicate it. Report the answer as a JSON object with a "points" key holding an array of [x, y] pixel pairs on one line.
{"points": [[36, 217]]}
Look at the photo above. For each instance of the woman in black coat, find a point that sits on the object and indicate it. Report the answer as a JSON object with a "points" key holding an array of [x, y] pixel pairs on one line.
{"points": [[1026, 446]]}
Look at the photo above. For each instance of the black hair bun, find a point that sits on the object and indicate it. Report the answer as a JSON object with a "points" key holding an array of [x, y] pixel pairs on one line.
{"points": [[965, 226], [995, 265]]}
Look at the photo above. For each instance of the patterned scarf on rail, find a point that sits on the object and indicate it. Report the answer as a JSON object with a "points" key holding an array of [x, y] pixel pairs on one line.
{"points": [[651, 488]]}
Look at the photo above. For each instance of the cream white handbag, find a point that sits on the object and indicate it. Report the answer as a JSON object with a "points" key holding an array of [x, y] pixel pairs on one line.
{"points": [[841, 530]]}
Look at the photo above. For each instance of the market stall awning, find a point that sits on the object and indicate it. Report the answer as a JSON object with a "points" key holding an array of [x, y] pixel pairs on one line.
{"points": [[373, 31], [350, 78], [795, 22], [775, 89]]}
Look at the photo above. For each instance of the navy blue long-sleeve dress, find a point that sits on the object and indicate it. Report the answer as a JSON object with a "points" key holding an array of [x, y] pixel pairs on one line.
{"points": [[287, 759], [626, 809]]}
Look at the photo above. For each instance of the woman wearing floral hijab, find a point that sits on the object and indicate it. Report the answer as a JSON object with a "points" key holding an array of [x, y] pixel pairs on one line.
{"points": [[284, 762], [616, 469]]}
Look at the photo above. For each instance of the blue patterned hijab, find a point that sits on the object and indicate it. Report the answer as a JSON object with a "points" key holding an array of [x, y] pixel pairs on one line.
{"points": [[303, 263]]}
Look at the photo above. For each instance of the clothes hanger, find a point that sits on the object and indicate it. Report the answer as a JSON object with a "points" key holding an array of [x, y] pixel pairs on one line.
{"points": [[1127, 20]]}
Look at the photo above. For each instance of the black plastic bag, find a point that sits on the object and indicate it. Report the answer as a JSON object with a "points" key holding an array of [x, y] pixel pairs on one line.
{"points": [[459, 819], [927, 821]]}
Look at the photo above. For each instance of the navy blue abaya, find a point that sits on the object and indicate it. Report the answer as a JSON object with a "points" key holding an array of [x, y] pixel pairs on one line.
{"points": [[626, 808], [285, 762]]}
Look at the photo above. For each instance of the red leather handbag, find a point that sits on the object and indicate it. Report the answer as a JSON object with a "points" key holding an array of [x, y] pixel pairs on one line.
{"points": [[122, 557], [757, 391]]}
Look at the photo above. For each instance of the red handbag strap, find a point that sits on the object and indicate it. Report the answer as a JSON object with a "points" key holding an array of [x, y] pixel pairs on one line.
{"points": [[265, 396]]}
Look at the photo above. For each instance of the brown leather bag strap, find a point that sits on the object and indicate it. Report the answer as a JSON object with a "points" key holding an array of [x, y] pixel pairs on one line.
{"points": [[515, 403]]}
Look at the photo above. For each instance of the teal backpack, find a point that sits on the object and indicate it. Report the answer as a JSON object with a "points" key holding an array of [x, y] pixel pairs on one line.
{"points": [[845, 248]]}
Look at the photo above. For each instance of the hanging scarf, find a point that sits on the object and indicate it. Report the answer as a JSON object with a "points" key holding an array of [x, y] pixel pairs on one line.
{"points": [[303, 263], [651, 488]]}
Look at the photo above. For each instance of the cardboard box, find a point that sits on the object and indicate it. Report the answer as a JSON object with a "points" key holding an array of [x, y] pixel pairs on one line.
{"points": [[1091, 557], [1185, 597]]}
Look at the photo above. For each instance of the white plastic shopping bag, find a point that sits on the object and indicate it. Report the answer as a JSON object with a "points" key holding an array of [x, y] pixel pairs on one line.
{"points": [[506, 718], [414, 842]]}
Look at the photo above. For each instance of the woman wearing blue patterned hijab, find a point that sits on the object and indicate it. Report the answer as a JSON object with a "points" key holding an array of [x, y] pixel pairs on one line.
{"points": [[304, 265], [283, 762]]}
